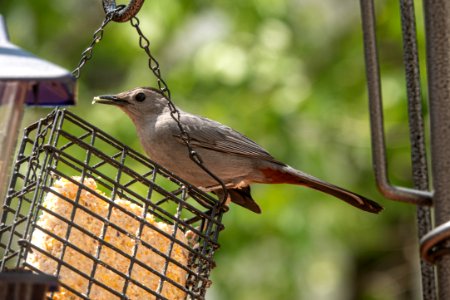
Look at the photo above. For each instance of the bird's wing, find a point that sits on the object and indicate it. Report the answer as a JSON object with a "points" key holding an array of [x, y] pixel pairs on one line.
{"points": [[212, 135]]}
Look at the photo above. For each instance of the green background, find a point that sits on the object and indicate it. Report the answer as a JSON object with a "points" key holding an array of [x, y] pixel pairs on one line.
{"points": [[290, 75]]}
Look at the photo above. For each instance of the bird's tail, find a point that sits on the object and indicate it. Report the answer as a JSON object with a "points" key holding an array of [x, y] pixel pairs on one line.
{"points": [[292, 176]]}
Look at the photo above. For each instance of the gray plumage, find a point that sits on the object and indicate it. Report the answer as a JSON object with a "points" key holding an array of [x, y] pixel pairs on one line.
{"points": [[234, 158]]}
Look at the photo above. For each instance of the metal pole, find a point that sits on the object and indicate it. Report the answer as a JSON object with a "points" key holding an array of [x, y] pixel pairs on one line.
{"points": [[437, 24], [417, 136], [398, 193]]}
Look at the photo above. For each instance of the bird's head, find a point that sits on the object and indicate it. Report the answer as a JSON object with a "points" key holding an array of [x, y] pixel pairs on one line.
{"points": [[137, 103]]}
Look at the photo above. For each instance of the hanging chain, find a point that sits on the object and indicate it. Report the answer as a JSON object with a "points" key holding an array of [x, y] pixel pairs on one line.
{"points": [[34, 162], [97, 36], [153, 65]]}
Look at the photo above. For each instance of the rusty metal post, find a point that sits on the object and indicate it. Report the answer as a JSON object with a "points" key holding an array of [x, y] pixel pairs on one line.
{"points": [[398, 193], [420, 195], [437, 24], [417, 136]]}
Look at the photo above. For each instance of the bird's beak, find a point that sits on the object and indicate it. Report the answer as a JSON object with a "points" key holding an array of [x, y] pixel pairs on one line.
{"points": [[110, 100]]}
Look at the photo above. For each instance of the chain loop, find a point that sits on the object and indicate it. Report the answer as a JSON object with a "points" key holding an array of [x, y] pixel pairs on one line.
{"points": [[126, 12], [153, 65]]}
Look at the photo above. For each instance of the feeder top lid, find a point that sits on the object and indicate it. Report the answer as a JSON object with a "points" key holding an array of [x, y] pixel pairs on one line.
{"points": [[51, 84], [17, 64]]}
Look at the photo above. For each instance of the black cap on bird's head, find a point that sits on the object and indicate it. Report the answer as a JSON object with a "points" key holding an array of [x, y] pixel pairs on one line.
{"points": [[136, 102]]}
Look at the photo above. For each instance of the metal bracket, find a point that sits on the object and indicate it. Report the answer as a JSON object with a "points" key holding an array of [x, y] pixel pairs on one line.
{"points": [[376, 116], [126, 13]]}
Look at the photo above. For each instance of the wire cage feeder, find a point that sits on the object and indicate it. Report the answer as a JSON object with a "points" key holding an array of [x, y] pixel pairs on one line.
{"points": [[104, 219]]}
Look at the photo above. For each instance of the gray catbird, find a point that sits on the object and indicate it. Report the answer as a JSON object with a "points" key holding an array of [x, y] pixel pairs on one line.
{"points": [[234, 158]]}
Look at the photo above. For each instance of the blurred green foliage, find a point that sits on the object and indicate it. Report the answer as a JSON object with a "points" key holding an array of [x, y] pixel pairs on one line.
{"points": [[290, 75]]}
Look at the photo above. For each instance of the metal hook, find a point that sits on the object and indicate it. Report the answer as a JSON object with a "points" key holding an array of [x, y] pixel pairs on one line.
{"points": [[431, 244], [126, 12], [376, 117]]}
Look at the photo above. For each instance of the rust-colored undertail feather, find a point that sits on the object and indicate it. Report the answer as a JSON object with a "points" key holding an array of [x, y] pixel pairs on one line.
{"points": [[292, 176], [242, 197]]}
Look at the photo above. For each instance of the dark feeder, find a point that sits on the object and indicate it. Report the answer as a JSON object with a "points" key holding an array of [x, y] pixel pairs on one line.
{"points": [[25, 80]]}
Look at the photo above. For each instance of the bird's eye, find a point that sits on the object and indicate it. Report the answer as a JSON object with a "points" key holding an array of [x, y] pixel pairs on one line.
{"points": [[140, 97]]}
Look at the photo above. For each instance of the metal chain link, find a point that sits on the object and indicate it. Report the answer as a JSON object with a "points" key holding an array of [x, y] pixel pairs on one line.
{"points": [[153, 65], [34, 162], [126, 12], [97, 36]]}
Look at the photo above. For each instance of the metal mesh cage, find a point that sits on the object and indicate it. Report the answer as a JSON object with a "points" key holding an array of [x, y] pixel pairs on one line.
{"points": [[103, 218]]}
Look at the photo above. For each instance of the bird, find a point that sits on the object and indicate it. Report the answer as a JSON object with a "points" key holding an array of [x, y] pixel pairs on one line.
{"points": [[231, 156]]}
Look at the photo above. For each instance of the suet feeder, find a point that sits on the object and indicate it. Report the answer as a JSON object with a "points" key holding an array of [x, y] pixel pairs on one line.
{"points": [[105, 220]]}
